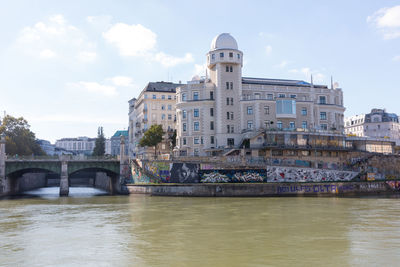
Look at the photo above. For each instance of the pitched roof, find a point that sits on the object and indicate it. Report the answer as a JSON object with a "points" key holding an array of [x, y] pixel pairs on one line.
{"points": [[279, 82], [168, 87], [121, 132]]}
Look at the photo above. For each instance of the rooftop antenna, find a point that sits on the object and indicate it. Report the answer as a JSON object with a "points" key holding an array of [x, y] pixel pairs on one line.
{"points": [[331, 82], [312, 84]]}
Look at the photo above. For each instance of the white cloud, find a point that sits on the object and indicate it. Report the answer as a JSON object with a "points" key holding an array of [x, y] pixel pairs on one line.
{"points": [[268, 50], [387, 21], [47, 53], [94, 87], [306, 72], [200, 69], [283, 64], [396, 58], [122, 81], [87, 56], [100, 22], [55, 36], [170, 61], [139, 41], [131, 40]]}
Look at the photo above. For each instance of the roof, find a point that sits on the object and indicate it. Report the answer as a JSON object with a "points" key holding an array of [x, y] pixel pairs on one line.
{"points": [[279, 82], [121, 132], [224, 41], [168, 87]]}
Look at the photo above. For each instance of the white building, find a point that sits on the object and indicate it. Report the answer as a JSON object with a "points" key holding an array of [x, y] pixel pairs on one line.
{"points": [[376, 124], [80, 145], [220, 112]]}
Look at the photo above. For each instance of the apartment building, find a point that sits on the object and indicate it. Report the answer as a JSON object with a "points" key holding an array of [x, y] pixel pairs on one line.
{"points": [[376, 124], [80, 145], [154, 105]]}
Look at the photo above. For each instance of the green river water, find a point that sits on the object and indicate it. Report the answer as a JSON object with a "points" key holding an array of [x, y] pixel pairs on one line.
{"points": [[138, 230]]}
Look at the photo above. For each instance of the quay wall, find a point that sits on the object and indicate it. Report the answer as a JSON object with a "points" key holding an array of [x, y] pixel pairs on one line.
{"points": [[268, 189]]}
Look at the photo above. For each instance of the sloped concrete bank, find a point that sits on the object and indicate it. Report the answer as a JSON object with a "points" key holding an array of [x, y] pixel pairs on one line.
{"points": [[268, 189]]}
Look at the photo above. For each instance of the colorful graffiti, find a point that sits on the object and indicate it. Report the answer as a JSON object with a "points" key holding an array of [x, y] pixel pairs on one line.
{"points": [[394, 185], [291, 174], [326, 188]]}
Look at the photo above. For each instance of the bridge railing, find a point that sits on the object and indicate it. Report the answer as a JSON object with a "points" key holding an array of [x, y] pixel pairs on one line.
{"points": [[61, 157]]}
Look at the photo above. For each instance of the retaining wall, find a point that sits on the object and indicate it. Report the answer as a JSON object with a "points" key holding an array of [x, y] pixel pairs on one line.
{"points": [[268, 189]]}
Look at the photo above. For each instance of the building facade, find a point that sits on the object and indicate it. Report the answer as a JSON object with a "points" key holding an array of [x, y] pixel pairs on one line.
{"points": [[224, 110], [115, 142], [156, 104], [80, 145], [376, 124]]}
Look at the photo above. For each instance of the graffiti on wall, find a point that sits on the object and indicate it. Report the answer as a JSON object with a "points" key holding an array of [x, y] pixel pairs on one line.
{"points": [[394, 185], [158, 169], [184, 173], [326, 188], [291, 174]]}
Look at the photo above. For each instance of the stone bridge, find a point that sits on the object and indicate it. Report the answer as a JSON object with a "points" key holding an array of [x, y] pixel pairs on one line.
{"points": [[11, 171]]}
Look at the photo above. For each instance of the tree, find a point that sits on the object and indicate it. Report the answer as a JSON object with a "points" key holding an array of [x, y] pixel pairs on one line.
{"points": [[152, 137], [20, 140], [100, 144], [172, 139]]}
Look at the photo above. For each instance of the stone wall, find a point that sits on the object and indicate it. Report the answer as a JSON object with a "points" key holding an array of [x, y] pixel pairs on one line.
{"points": [[267, 189]]}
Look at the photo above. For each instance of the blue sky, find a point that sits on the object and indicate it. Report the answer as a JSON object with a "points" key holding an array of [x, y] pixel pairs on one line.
{"points": [[71, 66]]}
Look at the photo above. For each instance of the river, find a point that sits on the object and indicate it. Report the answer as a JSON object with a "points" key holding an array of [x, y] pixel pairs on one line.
{"points": [[137, 230]]}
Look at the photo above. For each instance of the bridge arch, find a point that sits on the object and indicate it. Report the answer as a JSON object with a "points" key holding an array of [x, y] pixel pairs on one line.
{"points": [[18, 168], [109, 167]]}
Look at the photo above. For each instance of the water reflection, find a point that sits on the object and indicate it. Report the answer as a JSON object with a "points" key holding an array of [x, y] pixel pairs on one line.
{"points": [[158, 231], [54, 192]]}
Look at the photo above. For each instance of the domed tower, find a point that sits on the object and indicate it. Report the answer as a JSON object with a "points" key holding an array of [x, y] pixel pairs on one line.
{"points": [[224, 62]]}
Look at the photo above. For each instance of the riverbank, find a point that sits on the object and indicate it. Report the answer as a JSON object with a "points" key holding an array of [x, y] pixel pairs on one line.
{"points": [[267, 189]]}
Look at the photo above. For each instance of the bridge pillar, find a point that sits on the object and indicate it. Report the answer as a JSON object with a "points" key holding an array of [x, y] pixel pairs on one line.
{"points": [[124, 170], [64, 181], [2, 163]]}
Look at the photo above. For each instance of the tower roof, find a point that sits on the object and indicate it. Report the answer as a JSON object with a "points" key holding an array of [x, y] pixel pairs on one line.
{"points": [[224, 41]]}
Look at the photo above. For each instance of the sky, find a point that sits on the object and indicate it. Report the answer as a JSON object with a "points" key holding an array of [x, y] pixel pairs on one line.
{"points": [[69, 67]]}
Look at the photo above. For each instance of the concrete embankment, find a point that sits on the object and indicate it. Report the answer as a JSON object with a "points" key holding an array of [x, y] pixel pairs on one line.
{"points": [[267, 189]]}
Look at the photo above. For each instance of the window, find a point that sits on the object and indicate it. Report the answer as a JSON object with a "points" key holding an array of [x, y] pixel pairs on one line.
{"points": [[238, 56], [227, 69], [304, 125], [196, 126], [154, 97], [211, 95], [324, 127], [279, 124], [292, 96], [257, 96], [230, 69], [169, 107], [232, 101], [196, 112], [230, 54], [249, 110], [227, 85], [163, 116], [221, 55], [211, 112], [281, 95], [266, 110], [163, 97], [322, 115], [184, 127], [169, 117], [227, 115], [291, 125], [227, 101], [145, 96], [231, 115], [228, 128], [231, 85], [184, 97], [163, 107], [322, 99], [184, 140], [304, 111], [249, 125], [286, 107], [195, 96], [211, 125], [212, 139], [201, 139], [184, 114], [212, 56], [196, 141], [232, 129], [169, 97], [270, 96], [230, 141]]}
